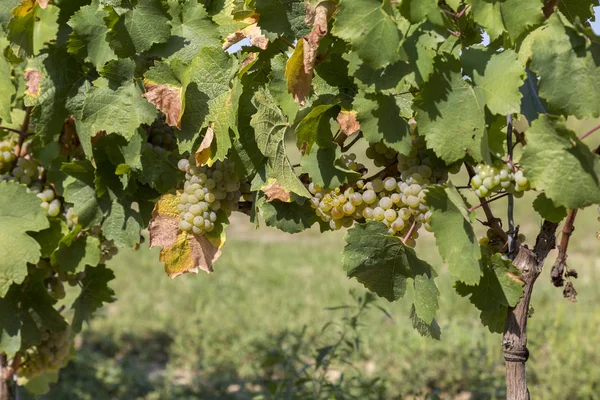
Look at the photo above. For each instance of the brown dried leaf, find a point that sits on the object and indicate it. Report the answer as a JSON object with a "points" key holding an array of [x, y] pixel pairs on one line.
{"points": [[181, 252], [318, 18], [167, 99], [32, 80], [252, 31], [570, 293], [203, 154], [274, 191], [348, 123], [43, 3]]}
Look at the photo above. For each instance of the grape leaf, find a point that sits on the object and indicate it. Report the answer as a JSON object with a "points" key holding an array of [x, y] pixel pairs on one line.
{"points": [[7, 90], [39, 384], [567, 65], [501, 96], [122, 225], [181, 252], [20, 212], [383, 264], [282, 18], [119, 111], [547, 210], [450, 117], [89, 35], [418, 10], [315, 127], [191, 30], [370, 28], [419, 51], [26, 25], [80, 190], [164, 90], [552, 148], [431, 330], [75, 252], [94, 292], [582, 9], [137, 29], [291, 217], [10, 322], [454, 234], [299, 82], [531, 104], [512, 16], [39, 305], [380, 119], [324, 168], [5, 11], [118, 72], [498, 289], [50, 238], [279, 86], [270, 126]]}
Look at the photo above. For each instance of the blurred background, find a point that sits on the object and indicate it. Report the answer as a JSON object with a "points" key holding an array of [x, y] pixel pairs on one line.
{"points": [[279, 319]]}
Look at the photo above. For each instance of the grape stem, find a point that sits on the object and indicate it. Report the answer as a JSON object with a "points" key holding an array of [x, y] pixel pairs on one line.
{"points": [[589, 132], [492, 221], [486, 202], [561, 258], [410, 232], [511, 200], [6, 128], [23, 134]]}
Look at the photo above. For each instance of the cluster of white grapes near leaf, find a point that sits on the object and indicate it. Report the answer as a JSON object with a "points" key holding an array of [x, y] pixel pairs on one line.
{"points": [[208, 193], [490, 179], [51, 354], [395, 198]]}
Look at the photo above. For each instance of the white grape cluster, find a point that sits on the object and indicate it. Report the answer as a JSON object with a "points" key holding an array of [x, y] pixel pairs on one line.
{"points": [[50, 355], [108, 249], [7, 155], [70, 216], [161, 138], [489, 179], [207, 192], [381, 154], [397, 201]]}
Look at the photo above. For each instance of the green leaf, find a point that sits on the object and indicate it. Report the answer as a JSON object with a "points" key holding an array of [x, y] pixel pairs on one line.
{"points": [[89, 35], [191, 30], [137, 29], [50, 238], [370, 28], [512, 16], [270, 125], [31, 26], [119, 111], [7, 90], [324, 168], [531, 104], [380, 119], [501, 96], [454, 234], [94, 292], [10, 322], [567, 65], [431, 330], [40, 384], [498, 289], [20, 212], [450, 116], [37, 303], [547, 210], [282, 18], [427, 295], [582, 9], [80, 190], [290, 217], [383, 264], [279, 89], [315, 127], [118, 72], [122, 225], [418, 10], [553, 149], [76, 252], [6, 7]]}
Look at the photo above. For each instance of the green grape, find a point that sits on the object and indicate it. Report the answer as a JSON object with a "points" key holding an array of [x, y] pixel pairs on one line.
{"points": [[50, 355]]}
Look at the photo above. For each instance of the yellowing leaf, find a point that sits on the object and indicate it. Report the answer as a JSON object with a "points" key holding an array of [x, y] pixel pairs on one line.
{"points": [[298, 81], [204, 153], [348, 123], [274, 191], [167, 99], [181, 252], [318, 18]]}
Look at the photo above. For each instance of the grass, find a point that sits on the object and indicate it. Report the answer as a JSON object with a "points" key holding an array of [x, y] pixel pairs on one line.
{"points": [[214, 336]]}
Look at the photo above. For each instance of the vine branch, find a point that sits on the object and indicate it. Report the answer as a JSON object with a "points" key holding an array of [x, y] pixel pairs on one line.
{"points": [[558, 268], [511, 199], [486, 202], [359, 136]]}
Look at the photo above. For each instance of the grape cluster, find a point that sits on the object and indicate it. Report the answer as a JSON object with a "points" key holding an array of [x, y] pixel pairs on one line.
{"points": [[70, 216], [161, 137], [397, 201], [207, 193], [349, 161], [7, 155], [489, 179], [381, 154], [108, 249], [50, 355]]}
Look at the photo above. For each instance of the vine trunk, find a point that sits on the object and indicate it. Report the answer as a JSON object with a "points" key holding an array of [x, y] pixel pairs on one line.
{"points": [[7, 385], [530, 263]]}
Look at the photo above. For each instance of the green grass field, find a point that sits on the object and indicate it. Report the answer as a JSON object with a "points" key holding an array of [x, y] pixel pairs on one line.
{"points": [[228, 335]]}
